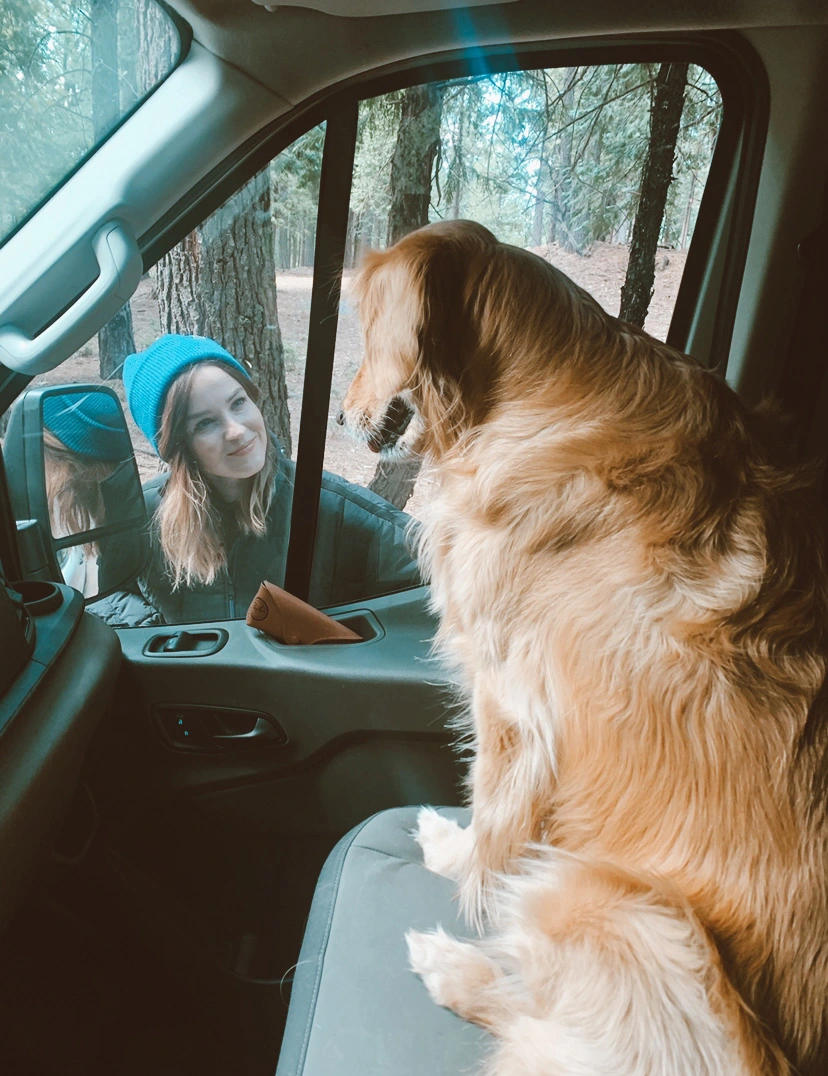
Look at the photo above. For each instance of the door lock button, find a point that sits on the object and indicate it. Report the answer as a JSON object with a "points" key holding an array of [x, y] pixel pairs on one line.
{"points": [[184, 731]]}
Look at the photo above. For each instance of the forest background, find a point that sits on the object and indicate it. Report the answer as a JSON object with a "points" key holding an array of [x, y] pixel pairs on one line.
{"points": [[598, 168]]}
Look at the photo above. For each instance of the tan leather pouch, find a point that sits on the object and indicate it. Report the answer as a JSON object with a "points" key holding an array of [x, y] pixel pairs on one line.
{"points": [[293, 622]]}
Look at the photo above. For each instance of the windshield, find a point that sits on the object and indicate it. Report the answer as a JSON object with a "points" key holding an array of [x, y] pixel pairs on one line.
{"points": [[70, 70]]}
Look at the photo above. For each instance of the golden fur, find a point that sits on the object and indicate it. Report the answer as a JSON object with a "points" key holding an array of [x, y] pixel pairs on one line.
{"points": [[632, 585]]}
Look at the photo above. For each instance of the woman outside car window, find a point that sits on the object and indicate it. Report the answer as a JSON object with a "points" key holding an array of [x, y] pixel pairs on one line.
{"points": [[220, 516]]}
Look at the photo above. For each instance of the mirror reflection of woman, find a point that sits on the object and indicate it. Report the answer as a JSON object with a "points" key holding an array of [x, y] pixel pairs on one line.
{"points": [[221, 512], [84, 444]]}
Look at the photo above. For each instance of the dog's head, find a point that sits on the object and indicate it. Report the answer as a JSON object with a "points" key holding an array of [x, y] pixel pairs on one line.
{"points": [[412, 393]]}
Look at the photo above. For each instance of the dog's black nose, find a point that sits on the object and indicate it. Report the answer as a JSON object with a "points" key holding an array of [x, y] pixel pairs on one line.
{"points": [[340, 417]]}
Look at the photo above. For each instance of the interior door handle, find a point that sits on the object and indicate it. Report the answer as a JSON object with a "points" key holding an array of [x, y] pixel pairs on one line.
{"points": [[121, 266], [216, 728], [186, 644], [262, 730]]}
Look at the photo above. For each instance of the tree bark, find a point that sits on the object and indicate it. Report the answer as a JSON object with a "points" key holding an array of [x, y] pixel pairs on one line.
{"points": [[656, 175], [116, 339], [413, 162], [539, 208], [220, 281], [156, 47], [568, 230], [412, 165], [458, 165], [688, 212], [106, 106]]}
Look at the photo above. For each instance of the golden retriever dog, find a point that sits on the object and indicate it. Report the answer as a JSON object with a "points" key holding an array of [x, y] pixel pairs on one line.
{"points": [[633, 588]]}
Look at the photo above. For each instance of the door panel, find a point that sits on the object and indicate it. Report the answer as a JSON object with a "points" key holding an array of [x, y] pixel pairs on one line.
{"points": [[50, 715], [218, 853], [322, 696]]}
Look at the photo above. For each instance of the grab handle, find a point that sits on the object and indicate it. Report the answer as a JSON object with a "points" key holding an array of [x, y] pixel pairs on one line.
{"points": [[121, 266]]}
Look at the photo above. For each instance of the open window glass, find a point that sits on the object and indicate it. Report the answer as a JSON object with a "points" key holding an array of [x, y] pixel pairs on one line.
{"points": [[597, 168], [207, 361]]}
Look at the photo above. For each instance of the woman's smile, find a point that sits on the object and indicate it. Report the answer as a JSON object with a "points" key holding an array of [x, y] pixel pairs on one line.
{"points": [[245, 448]]}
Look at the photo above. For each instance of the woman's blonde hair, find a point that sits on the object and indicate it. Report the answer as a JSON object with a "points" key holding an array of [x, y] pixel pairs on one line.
{"points": [[189, 523], [73, 489]]}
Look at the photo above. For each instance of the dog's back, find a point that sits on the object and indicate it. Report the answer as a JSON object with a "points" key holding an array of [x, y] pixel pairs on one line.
{"points": [[633, 584], [619, 541]]}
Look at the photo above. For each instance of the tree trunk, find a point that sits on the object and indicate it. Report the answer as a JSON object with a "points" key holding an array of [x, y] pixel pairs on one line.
{"points": [[688, 212], [539, 208], [458, 163], [418, 137], [351, 239], [656, 175], [564, 209], [115, 339], [220, 281], [413, 162], [156, 47]]}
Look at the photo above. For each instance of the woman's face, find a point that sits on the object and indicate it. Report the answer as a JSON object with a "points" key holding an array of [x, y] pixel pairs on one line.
{"points": [[225, 429]]}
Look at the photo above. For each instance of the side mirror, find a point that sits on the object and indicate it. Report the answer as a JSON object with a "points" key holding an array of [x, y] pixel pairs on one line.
{"points": [[75, 489]]}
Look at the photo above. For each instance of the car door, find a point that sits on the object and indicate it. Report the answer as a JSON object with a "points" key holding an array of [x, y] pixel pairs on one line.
{"points": [[229, 763]]}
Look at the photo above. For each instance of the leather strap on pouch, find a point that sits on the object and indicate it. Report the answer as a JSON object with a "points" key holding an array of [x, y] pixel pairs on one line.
{"points": [[293, 622]]}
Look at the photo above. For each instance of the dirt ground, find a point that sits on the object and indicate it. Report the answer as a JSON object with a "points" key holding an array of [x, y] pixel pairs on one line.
{"points": [[601, 273]]}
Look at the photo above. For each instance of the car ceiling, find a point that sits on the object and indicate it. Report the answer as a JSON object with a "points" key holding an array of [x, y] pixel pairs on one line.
{"points": [[367, 8], [282, 48]]}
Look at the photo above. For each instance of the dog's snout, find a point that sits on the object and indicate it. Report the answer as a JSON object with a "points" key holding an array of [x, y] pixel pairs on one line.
{"points": [[340, 417]]}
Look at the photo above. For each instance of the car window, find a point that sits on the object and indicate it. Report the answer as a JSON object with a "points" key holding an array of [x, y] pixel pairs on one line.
{"points": [[558, 161], [70, 71], [599, 169], [235, 292]]}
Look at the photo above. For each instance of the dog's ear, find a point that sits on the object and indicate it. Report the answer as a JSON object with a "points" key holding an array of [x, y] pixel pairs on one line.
{"points": [[440, 271], [444, 260], [419, 334]]}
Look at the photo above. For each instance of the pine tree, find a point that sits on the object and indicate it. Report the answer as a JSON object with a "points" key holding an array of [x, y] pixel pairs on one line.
{"points": [[656, 174], [116, 339]]}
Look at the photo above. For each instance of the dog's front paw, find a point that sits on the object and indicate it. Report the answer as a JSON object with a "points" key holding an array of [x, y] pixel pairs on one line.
{"points": [[456, 974], [447, 847]]}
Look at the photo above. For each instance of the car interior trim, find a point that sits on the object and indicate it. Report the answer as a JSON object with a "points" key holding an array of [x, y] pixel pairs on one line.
{"points": [[51, 260], [329, 254]]}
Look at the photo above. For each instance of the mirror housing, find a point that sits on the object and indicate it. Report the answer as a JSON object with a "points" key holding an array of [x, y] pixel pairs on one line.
{"points": [[99, 553]]}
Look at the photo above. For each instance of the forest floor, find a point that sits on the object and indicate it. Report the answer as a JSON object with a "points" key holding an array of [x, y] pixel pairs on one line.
{"points": [[601, 273]]}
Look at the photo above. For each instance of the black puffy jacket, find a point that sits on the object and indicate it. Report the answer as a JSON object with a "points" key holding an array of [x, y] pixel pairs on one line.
{"points": [[361, 550]]}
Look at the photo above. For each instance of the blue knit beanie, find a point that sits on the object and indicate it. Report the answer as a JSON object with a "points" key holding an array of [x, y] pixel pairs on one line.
{"points": [[148, 375], [89, 423]]}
